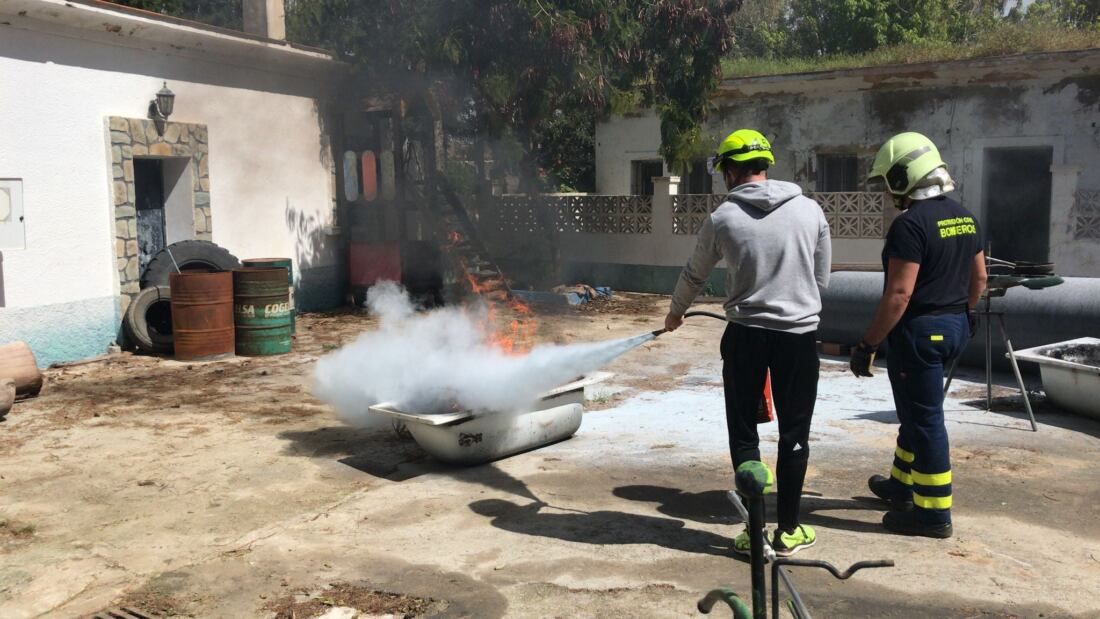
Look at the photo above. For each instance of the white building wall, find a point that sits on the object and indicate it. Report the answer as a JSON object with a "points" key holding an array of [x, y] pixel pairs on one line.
{"points": [[270, 172], [966, 109], [619, 142]]}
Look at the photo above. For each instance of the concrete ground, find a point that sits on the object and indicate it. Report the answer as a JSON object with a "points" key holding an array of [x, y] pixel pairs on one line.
{"points": [[224, 490]]}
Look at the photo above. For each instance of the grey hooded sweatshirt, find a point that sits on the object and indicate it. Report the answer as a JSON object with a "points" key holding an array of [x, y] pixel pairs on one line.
{"points": [[775, 242]]}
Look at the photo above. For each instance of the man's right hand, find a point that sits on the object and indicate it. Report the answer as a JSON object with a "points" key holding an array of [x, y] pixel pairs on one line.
{"points": [[863, 358], [673, 322]]}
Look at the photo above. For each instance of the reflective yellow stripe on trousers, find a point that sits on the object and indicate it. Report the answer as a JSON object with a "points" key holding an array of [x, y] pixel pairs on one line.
{"points": [[901, 476], [933, 479], [932, 502]]}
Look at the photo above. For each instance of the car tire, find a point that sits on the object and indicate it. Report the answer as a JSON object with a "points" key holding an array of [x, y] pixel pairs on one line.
{"points": [[148, 320], [187, 256]]}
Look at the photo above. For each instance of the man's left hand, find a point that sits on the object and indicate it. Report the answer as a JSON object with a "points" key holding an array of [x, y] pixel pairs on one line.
{"points": [[673, 322]]}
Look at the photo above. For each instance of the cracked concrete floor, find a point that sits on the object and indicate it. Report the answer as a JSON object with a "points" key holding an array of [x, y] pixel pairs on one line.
{"points": [[211, 489]]}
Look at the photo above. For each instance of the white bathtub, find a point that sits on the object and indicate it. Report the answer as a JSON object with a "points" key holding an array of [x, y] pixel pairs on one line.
{"points": [[474, 437], [1069, 384]]}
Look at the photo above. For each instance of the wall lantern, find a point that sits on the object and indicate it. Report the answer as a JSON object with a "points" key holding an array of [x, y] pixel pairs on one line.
{"points": [[161, 108]]}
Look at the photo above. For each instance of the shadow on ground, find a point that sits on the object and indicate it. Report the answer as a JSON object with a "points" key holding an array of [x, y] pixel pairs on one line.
{"points": [[601, 528], [888, 417], [712, 507], [1046, 413], [372, 451]]}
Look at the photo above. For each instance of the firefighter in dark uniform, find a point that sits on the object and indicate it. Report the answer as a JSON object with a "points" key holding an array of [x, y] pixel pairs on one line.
{"points": [[935, 275]]}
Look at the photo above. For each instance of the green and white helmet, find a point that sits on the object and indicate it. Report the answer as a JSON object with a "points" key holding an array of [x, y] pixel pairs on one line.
{"points": [[903, 161]]}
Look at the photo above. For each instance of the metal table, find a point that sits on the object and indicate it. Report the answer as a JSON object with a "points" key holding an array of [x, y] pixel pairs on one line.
{"points": [[1030, 276]]}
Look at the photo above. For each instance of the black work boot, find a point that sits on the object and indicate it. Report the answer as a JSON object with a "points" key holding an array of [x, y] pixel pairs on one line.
{"points": [[895, 494], [909, 523]]}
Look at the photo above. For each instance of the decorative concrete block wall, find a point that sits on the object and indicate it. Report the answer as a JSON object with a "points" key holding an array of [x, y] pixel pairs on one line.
{"points": [[137, 137]]}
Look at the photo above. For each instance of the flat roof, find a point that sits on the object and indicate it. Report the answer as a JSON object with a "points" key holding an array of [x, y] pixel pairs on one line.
{"points": [[113, 21], [989, 69]]}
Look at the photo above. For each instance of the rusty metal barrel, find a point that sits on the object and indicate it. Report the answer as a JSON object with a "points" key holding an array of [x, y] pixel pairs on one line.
{"points": [[261, 311], [286, 263], [202, 314]]}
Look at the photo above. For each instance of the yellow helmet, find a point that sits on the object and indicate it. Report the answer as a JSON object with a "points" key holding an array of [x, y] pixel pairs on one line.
{"points": [[742, 145], [904, 160]]}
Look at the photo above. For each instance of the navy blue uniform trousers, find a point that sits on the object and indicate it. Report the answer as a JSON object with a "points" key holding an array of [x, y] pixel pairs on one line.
{"points": [[919, 348]]}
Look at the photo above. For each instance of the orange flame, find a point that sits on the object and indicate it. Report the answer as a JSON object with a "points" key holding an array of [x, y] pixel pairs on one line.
{"points": [[518, 337]]}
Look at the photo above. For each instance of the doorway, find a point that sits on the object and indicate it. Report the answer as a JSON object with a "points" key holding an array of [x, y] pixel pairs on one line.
{"points": [[1016, 202], [163, 195], [149, 193]]}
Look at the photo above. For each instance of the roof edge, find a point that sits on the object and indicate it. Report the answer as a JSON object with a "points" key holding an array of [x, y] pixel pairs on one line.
{"points": [[733, 82], [99, 15]]}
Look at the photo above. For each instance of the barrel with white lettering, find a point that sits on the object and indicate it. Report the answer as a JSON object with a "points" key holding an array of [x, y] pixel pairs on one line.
{"points": [[286, 263], [261, 311]]}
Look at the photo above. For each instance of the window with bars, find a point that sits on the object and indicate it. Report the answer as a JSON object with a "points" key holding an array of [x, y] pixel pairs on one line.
{"points": [[642, 173], [698, 179], [838, 172]]}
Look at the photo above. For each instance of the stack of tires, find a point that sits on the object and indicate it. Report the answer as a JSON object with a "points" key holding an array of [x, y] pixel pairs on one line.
{"points": [[148, 321]]}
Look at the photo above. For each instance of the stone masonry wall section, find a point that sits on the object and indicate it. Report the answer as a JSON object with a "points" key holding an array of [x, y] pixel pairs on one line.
{"points": [[137, 137]]}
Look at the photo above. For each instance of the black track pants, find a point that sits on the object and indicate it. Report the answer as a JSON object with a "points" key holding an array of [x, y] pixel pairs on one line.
{"points": [[747, 355]]}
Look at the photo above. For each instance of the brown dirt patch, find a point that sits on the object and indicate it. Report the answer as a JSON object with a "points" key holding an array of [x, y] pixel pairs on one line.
{"points": [[360, 598], [605, 402], [1007, 460], [628, 303], [14, 533], [152, 600], [663, 382]]}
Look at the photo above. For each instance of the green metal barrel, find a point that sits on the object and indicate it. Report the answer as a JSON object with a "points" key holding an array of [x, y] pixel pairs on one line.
{"points": [[285, 263], [261, 311]]}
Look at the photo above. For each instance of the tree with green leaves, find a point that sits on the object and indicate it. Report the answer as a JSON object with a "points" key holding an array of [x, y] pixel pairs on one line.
{"points": [[1072, 13], [515, 68], [222, 13], [828, 27]]}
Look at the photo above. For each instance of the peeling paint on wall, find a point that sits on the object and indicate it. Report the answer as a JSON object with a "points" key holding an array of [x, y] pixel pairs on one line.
{"points": [[1088, 88], [965, 108]]}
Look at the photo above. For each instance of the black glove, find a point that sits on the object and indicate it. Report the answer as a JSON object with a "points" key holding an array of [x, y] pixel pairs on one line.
{"points": [[863, 357], [972, 318]]}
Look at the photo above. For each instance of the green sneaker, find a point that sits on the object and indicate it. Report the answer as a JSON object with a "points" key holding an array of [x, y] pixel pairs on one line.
{"points": [[786, 544], [741, 543]]}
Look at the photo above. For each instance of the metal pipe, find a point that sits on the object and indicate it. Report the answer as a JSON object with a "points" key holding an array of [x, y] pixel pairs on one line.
{"points": [[769, 553], [798, 607], [988, 355], [756, 556], [1035, 317], [1016, 371], [832, 569]]}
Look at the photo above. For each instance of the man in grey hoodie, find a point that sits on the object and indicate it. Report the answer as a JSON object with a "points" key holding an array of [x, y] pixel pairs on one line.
{"points": [[776, 245]]}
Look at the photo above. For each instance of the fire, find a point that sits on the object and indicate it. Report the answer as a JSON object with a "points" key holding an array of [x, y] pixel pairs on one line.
{"points": [[518, 336]]}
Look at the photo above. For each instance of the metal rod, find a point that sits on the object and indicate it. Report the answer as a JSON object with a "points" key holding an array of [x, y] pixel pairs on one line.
{"points": [[1016, 370], [951, 373], [832, 569], [735, 498], [775, 590], [798, 607], [756, 558], [988, 355]]}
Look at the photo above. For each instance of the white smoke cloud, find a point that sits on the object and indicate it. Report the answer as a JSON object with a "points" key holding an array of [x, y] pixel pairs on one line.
{"points": [[428, 361]]}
